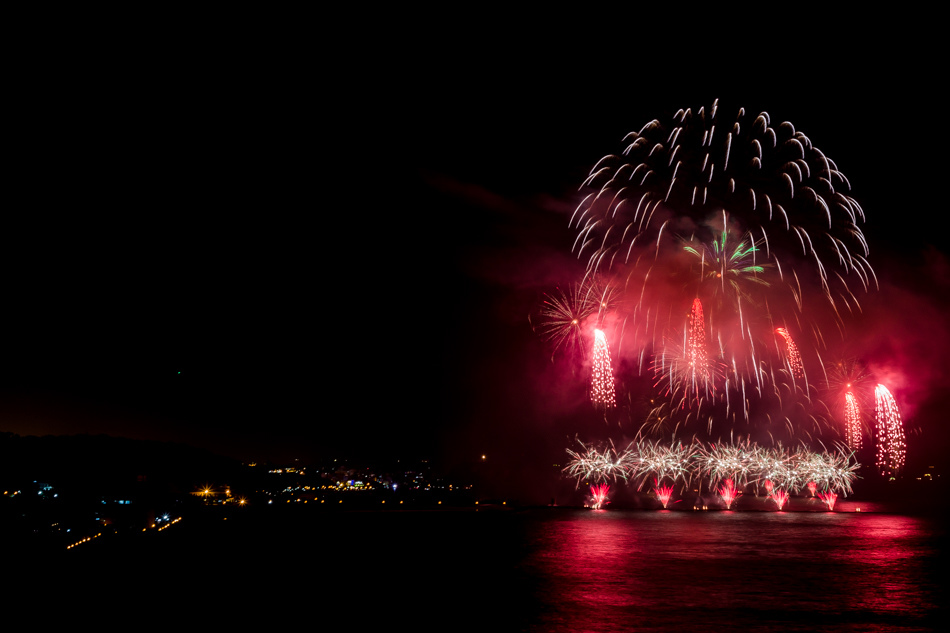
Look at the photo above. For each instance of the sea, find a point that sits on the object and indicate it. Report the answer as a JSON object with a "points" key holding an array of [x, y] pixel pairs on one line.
{"points": [[530, 569]]}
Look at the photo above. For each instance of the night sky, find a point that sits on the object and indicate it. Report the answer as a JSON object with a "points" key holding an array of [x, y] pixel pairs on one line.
{"points": [[282, 259]]}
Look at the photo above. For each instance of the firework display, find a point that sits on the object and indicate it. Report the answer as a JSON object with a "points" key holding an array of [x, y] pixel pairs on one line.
{"points": [[741, 465], [717, 250]]}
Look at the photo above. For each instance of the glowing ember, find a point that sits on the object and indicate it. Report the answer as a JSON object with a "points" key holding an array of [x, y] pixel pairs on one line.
{"points": [[828, 498], [780, 497], [728, 493], [852, 421], [599, 496], [889, 434], [602, 378]]}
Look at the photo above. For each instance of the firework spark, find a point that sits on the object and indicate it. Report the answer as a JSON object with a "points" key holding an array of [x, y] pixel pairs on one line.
{"points": [[889, 434], [794, 358], [852, 421], [602, 378]]}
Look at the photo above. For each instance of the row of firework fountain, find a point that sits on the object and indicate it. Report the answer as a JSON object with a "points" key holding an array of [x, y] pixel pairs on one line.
{"points": [[725, 469]]}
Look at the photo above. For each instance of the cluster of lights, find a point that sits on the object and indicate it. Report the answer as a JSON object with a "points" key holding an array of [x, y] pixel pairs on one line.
{"points": [[168, 525], [85, 540]]}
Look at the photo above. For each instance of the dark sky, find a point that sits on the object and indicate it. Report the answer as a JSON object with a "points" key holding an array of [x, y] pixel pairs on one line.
{"points": [[277, 255]]}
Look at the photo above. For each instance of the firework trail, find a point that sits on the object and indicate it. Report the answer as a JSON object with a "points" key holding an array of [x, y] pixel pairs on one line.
{"points": [[599, 496], [794, 358], [601, 377], [755, 225], [852, 421], [889, 435]]}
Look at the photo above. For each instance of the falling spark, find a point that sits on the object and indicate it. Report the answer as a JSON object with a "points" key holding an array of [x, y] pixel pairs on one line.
{"points": [[602, 378], [889, 435], [794, 358], [852, 421]]}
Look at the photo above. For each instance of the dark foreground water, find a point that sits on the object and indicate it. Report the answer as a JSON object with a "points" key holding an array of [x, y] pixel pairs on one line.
{"points": [[545, 569]]}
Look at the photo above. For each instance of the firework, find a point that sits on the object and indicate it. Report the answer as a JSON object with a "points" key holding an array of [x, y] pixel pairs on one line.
{"points": [[812, 487], [794, 358], [852, 421], [828, 498], [731, 464], [663, 493], [599, 496], [728, 493], [889, 435], [780, 497], [601, 377], [600, 464], [756, 226], [565, 317]]}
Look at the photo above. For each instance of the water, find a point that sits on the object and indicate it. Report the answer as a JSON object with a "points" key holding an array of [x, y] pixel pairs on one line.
{"points": [[723, 571], [548, 569]]}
